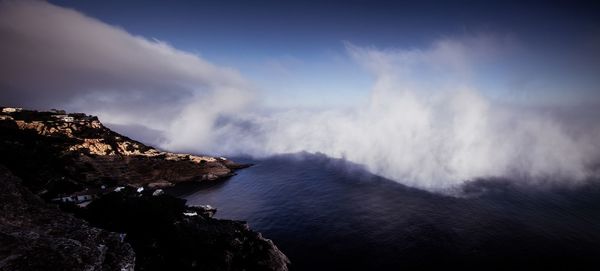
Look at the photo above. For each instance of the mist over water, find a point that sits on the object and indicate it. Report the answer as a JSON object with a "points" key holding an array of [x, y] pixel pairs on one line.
{"points": [[428, 122], [450, 149], [326, 214], [434, 134]]}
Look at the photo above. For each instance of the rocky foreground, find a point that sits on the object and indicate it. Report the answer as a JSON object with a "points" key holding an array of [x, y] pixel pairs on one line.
{"points": [[123, 221], [37, 236]]}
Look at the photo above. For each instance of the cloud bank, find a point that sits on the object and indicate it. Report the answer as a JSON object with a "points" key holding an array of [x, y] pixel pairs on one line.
{"points": [[425, 124], [58, 57], [434, 133]]}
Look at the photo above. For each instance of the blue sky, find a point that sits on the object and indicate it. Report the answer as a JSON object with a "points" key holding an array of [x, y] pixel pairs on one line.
{"points": [[296, 49]]}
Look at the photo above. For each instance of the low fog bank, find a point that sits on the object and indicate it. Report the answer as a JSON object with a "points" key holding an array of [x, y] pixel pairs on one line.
{"points": [[434, 144], [425, 124], [435, 134]]}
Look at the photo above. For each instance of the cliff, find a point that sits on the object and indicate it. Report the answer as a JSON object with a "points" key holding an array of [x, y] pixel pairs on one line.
{"points": [[64, 153], [56, 156], [38, 236], [168, 235]]}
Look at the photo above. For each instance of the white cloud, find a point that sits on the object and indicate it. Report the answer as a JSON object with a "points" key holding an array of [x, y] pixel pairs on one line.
{"points": [[435, 134], [425, 124], [58, 57]]}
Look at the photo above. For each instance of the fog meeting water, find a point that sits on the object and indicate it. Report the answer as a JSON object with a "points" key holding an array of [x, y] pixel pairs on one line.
{"points": [[455, 108], [334, 215], [385, 134]]}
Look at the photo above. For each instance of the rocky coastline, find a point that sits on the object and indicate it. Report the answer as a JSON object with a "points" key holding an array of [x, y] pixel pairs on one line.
{"points": [[35, 235], [109, 187]]}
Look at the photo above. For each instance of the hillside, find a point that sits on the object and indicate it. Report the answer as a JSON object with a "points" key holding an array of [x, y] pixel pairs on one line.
{"points": [[38, 236], [57, 153], [112, 214]]}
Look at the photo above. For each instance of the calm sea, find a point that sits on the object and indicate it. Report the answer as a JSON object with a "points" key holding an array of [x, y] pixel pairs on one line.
{"points": [[329, 215]]}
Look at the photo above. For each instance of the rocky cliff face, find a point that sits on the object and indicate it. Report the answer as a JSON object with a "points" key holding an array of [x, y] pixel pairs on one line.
{"points": [[83, 153], [168, 235], [37, 236], [44, 155]]}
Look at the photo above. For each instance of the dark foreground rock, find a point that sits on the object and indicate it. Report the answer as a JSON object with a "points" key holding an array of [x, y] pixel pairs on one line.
{"points": [[61, 157], [168, 235], [37, 236]]}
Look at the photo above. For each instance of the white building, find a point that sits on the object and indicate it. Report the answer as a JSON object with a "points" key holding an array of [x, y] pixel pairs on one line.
{"points": [[75, 198], [65, 118], [11, 109], [79, 197]]}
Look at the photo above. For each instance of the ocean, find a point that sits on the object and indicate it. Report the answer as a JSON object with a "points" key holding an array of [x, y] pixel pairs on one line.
{"points": [[328, 214]]}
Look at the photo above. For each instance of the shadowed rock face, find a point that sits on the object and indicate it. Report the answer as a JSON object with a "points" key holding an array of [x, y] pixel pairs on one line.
{"points": [[54, 156], [38, 236], [168, 235]]}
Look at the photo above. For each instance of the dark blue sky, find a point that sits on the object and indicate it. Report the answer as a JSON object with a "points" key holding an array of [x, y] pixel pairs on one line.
{"points": [[299, 26], [560, 39]]}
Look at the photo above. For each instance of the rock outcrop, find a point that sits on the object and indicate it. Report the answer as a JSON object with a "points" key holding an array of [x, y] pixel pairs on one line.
{"points": [[37, 236], [168, 235], [47, 155], [83, 153]]}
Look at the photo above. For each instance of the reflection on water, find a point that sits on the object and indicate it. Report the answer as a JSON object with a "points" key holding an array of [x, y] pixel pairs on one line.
{"points": [[325, 214]]}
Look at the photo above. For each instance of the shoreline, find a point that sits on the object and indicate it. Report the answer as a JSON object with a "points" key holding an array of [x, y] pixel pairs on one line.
{"points": [[114, 182]]}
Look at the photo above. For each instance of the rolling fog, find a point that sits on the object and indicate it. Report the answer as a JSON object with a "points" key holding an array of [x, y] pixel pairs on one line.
{"points": [[425, 122]]}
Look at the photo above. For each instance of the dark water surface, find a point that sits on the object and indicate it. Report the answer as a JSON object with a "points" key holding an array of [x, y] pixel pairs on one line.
{"points": [[327, 215]]}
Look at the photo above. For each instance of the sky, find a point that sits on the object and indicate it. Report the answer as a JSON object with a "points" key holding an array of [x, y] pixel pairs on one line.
{"points": [[291, 47], [429, 94]]}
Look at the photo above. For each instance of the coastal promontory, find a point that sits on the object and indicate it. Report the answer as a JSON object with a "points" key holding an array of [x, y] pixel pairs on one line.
{"points": [[79, 196]]}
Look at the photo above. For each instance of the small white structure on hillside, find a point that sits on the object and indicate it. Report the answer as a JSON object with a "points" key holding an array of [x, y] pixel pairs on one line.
{"points": [[190, 214], [11, 109], [65, 118], [77, 198]]}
